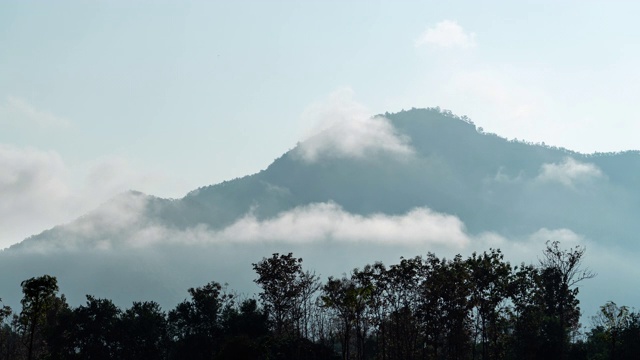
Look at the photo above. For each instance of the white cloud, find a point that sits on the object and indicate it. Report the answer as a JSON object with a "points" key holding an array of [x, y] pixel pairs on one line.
{"points": [[119, 214], [328, 221], [503, 177], [110, 175], [33, 187], [38, 191], [345, 128], [447, 34], [569, 172], [19, 111], [123, 223]]}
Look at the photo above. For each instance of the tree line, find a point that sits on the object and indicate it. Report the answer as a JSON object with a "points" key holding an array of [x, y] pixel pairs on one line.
{"points": [[427, 307]]}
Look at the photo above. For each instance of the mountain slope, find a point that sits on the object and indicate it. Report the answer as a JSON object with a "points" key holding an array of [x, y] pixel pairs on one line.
{"points": [[490, 183], [398, 175]]}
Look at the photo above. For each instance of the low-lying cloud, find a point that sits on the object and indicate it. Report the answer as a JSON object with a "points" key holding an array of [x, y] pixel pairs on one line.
{"points": [[569, 172], [38, 189], [328, 221], [344, 128], [331, 240], [356, 138], [33, 188], [121, 223]]}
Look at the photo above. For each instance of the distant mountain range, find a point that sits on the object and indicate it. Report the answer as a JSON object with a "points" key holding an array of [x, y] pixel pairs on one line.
{"points": [[397, 184]]}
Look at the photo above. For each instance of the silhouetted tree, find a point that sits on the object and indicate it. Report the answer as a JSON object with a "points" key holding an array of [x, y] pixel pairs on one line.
{"points": [[39, 296], [402, 295], [59, 332], [490, 279], [348, 300], [195, 326], [287, 292], [246, 332], [613, 320], [97, 334], [526, 314], [560, 271], [5, 330], [420, 308], [143, 330]]}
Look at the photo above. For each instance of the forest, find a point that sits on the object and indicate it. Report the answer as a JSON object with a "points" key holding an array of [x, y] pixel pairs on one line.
{"points": [[424, 307]]}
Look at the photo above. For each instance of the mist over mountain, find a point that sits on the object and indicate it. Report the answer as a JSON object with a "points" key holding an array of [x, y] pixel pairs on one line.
{"points": [[371, 189]]}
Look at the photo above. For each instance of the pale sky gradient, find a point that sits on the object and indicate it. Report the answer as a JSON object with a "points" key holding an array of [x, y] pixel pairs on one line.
{"points": [[98, 97]]}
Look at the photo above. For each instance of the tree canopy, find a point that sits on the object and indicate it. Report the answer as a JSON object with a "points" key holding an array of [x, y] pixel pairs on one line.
{"points": [[427, 307]]}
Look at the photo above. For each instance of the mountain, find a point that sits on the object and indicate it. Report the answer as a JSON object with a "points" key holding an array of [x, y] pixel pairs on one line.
{"points": [[394, 185]]}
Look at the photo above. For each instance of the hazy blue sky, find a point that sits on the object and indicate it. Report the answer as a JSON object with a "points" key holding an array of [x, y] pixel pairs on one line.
{"points": [[97, 97]]}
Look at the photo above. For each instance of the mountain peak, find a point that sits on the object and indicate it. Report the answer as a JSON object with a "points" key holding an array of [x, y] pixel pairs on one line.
{"points": [[418, 179]]}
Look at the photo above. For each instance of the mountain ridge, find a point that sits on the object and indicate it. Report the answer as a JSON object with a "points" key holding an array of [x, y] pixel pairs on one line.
{"points": [[397, 185], [453, 160]]}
